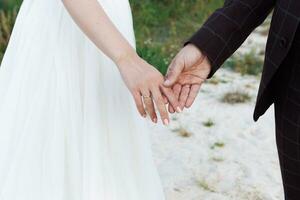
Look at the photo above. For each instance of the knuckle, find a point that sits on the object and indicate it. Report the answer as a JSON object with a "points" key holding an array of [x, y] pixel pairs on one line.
{"points": [[136, 95], [153, 85], [139, 105], [152, 75], [156, 79], [135, 89], [159, 100], [162, 108]]}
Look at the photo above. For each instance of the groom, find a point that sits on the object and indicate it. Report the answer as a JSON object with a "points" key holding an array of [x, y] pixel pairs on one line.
{"points": [[220, 36]]}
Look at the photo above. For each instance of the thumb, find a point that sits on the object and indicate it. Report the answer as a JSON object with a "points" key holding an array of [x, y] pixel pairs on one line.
{"points": [[175, 69]]}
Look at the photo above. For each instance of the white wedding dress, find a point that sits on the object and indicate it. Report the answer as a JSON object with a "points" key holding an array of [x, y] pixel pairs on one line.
{"points": [[69, 129]]}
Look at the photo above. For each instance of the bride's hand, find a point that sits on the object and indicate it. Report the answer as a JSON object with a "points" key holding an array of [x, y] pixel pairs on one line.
{"points": [[146, 85]]}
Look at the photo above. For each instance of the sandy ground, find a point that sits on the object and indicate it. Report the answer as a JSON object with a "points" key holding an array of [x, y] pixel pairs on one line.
{"points": [[215, 151]]}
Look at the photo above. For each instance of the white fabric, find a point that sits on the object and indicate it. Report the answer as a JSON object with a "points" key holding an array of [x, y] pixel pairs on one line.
{"points": [[69, 129]]}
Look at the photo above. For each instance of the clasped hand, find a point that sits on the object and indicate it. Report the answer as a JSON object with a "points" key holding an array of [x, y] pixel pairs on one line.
{"points": [[178, 90]]}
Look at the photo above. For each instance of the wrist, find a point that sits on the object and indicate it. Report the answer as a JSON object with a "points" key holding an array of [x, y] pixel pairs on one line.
{"points": [[195, 49], [125, 58], [200, 53]]}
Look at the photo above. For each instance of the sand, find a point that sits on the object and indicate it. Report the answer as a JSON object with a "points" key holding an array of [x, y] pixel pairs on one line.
{"points": [[215, 151]]}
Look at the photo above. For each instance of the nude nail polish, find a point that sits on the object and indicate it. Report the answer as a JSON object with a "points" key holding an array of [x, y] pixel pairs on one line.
{"points": [[167, 82], [166, 122]]}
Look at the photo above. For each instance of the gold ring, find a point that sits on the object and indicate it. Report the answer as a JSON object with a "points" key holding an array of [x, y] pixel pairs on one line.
{"points": [[146, 97]]}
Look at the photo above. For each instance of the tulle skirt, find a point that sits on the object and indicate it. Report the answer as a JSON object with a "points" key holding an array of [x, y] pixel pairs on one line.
{"points": [[69, 129]]}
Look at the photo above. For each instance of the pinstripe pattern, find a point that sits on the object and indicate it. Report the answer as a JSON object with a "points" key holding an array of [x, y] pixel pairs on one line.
{"points": [[226, 30], [287, 114], [228, 27]]}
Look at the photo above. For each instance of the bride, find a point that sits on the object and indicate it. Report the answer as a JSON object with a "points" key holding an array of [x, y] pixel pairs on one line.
{"points": [[69, 129]]}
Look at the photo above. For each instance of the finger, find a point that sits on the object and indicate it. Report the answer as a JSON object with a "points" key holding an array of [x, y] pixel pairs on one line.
{"points": [[159, 102], [149, 106], [177, 89], [171, 109], [171, 98], [150, 109], [174, 71], [165, 99], [139, 104], [192, 95], [184, 95]]}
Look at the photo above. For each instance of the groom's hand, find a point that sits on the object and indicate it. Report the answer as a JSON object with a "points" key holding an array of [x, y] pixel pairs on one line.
{"points": [[186, 73]]}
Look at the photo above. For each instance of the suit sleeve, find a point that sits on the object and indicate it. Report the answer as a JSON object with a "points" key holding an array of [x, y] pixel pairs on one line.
{"points": [[228, 27]]}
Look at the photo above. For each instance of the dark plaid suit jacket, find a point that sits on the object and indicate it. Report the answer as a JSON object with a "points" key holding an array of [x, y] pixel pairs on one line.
{"points": [[228, 27]]}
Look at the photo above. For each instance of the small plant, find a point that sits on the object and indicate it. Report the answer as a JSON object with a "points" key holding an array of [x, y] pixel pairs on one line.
{"points": [[223, 81], [217, 145], [205, 186], [250, 63], [208, 123], [174, 118], [213, 81], [217, 159], [249, 86], [183, 132], [236, 97]]}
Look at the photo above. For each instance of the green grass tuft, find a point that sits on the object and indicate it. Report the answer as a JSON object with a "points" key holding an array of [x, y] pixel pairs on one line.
{"points": [[208, 123], [248, 64], [181, 131], [205, 186], [217, 145], [236, 97]]}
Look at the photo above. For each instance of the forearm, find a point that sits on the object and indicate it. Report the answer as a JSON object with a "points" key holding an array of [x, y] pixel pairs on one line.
{"points": [[93, 21], [228, 27], [141, 78]]}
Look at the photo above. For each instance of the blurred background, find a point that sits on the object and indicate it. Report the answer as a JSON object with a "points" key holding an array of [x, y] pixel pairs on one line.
{"points": [[213, 151], [161, 27]]}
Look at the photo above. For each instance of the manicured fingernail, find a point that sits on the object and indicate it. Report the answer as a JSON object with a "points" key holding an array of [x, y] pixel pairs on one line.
{"points": [[167, 82], [155, 120], [166, 122], [178, 109], [144, 115]]}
